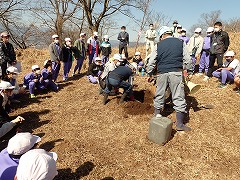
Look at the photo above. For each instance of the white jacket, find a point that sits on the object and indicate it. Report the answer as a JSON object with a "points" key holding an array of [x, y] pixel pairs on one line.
{"points": [[195, 42]]}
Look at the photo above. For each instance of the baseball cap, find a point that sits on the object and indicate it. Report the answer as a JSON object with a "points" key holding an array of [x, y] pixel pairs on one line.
{"points": [[106, 37], [198, 30], [67, 39], [21, 143], [164, 29], [210, 29], [82, 34], [230, 53], [55, 36], [35, 67], [98, 59], [5, 34], [13, 69], [175, 22], [179, 26], [117, 57], [183, 29], [37, 164], [6, 85], [137, 54], [95, 33]]}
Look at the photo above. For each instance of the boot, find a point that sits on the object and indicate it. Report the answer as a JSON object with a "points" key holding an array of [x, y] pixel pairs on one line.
{"points": [[105, 98], [123, 98], [180, 126], [157, 112]]}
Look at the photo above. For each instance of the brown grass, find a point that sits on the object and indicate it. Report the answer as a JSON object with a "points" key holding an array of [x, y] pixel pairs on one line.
{"points": [[109, 142]]}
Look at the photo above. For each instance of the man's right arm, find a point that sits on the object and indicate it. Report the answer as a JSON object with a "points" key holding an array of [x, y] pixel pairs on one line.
{"points": [[152, 61]]}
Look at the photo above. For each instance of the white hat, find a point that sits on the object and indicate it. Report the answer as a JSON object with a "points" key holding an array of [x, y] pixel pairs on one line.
{"points": [[105, 37], [37, 164], [117, 57], [137, 54], [198, 30], [164, 29], [13, 69], [95, 33], [210, 29], [98, 59], [4, 34], [179, 26], [67, 39], [6, 85], [35, 67], [21, 143], [55, 36], [183, 29], [230, 53], [82, 34]]}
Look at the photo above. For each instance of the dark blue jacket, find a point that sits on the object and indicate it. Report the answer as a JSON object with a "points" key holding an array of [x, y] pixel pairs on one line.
{"points": [[121, 73]]}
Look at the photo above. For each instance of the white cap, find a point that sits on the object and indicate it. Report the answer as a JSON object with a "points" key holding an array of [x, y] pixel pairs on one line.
{"points": [[210, 29], [117, 57], [123, 57], [37, 164], [164, 29], [55, 36], [67, 39], [82, 34], [230, 53], [98, 59], [137, 53], [95, 33], [13, 69], [105, 37], [35, 67], [6, 85], [179, 26], [4, 34], [198, 30], [21, 143], [183, 29]]}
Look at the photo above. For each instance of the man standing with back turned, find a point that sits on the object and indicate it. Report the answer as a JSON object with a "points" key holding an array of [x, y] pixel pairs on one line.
{"points": [[171, 58]]}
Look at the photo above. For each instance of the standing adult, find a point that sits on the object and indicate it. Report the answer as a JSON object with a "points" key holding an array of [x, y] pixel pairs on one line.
{"points": [[174, 28], [93, 47], [170, 57], [7, 53], [150, 38], [123, 37], [80, 53], [55, 50], [219, 45]]}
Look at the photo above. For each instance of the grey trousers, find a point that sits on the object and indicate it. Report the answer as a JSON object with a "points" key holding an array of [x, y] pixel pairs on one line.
{"points": [[175, 82]]}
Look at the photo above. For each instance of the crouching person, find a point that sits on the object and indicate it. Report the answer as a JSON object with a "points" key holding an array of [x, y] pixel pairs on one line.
{"points": [[47, 76], [237, 81], [94, 70], [118, 79], [228, 70], [34, 80], [138, 59]]}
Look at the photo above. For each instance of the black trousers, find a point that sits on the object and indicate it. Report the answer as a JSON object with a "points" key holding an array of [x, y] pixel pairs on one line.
{"points": [[4, 69], [123, 47], [212, 59]]}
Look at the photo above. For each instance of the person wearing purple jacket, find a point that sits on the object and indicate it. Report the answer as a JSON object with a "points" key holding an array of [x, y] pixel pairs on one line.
{"points": [[48, 76], [34, 79], [204, 60], [183, 36]]}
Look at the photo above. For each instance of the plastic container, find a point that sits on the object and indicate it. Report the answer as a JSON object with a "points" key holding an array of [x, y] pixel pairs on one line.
{"points": [[160, 130], [143, 72]]}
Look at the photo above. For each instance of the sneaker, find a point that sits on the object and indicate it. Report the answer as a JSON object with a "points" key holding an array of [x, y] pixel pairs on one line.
{"points": [[222, 85], [206, 78], [238, 91], [32, 96], [198, 74]]}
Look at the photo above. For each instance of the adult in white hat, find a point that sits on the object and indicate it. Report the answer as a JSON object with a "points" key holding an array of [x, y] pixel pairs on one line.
{"points": [[93, 46], [170, 65], [80, 54], [205, 55], [95, 70], [17, 146], [34, 80], [67, 57], [150, 37], [105, 49], [37, 164], [7, 53], [183, 36], [195, 45], [229, 69], [55, 50]]}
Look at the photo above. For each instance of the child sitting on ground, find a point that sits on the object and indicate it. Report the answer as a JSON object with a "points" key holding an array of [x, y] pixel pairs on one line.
{"points": [[138, 59], [95, 70]]}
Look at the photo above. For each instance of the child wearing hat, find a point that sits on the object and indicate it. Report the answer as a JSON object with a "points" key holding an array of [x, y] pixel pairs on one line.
{"points": [[6, 91], [139, 61], [93, 47], [34, 80], [183, 36], [48, 76], [106, 49], [95, 70]]}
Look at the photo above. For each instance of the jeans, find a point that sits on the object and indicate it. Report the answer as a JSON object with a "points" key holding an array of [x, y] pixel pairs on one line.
{"points": [[79, 64]]}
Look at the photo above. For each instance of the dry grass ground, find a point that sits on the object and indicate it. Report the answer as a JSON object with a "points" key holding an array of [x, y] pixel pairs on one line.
{"points": [[110, 142]]}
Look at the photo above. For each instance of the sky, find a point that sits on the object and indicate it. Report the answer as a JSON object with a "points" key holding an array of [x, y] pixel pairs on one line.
{"points": [[187, 12]]}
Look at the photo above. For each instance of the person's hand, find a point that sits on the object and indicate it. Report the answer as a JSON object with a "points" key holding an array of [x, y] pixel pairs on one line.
{"points": [[150, 79], [219, 69], [22, 90], [19, 119], [35, 80], [49, 69], [41, 78], [14, 62]]}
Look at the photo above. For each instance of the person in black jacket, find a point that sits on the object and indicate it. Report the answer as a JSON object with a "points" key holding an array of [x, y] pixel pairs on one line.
{"points": [[66, 56], [219, 44], [95, 70], [7, 53], [123, 37], [106, 49]]}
